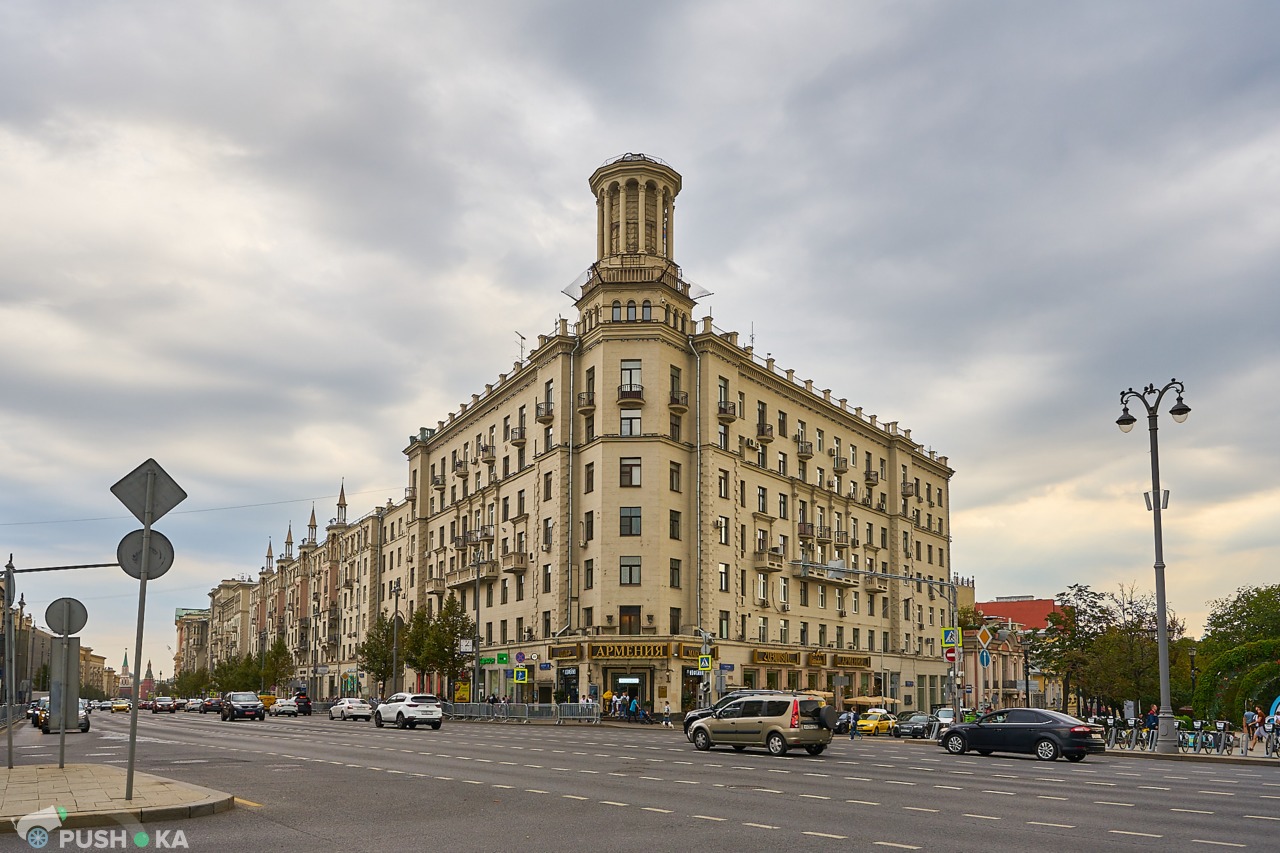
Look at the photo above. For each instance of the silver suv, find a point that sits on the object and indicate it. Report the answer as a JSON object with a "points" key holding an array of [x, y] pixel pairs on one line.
{"points": [[776, 722], [410, 709]]}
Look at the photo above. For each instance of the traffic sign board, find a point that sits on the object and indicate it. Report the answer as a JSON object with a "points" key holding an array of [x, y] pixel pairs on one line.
{"points": [[950, 637], [984, 657], [949, 654], [704, 663], [132, 492], [129, 554], [522, 675], [66, 616], [985, 636]]}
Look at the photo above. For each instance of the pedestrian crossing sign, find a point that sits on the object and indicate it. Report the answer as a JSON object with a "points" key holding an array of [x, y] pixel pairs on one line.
{"points": [[950, 637], [704, 663], [522, 675]]}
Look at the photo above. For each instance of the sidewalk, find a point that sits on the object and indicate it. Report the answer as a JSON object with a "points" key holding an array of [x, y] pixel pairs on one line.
{"points": [[93, 795]]}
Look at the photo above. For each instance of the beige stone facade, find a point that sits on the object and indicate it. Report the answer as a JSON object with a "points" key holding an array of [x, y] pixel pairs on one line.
{"points": [[640, 484]]}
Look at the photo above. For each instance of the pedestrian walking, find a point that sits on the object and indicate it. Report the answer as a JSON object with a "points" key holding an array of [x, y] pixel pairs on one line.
{"points": [[666, 715]]}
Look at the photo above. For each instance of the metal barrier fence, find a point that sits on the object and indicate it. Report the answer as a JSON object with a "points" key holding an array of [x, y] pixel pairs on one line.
{"points": [[522, 712]]}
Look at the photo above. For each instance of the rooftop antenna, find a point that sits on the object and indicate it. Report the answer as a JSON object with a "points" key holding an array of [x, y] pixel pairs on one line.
{"points": [[752, 336], [522, 340]]}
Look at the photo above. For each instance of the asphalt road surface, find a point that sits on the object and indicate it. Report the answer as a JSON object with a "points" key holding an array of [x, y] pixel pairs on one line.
{"points": [[308, 784]]}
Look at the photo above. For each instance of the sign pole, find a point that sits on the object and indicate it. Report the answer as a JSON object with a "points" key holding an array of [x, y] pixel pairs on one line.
{"points": [[8, 652], [66, 678], [137, 647]]}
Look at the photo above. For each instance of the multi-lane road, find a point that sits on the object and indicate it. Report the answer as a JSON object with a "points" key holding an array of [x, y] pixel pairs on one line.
{"points": [[307, 784]]}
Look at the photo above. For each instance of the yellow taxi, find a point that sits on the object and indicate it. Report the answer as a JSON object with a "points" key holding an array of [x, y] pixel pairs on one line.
{"points": [[876, 723], [120, 705]]}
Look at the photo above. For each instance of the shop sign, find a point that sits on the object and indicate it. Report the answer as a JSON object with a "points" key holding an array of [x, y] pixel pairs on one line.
{"points": [[570, 652], [771, 656], [607, 651], [693, 651], [851, 661], [544, 666], [816, 659], [567, 670], [726, 667], [692, 672]]}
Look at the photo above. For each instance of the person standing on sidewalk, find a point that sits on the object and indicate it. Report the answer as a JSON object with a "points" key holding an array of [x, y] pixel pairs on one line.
{"points": [[666, 715]]}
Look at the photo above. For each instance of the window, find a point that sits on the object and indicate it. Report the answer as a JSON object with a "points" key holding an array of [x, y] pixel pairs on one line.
{"points": [[546, 578], [629, 619], [629, 471], [589, 427], [588, 617], [503, 591], [674, 531], [631, 311], [724, 577], [589, 478], [629, 571], [762, 499], [724, 625], [617, 311], [804, 593], [722, 523], [782, 506], [629, 521], [675, 576], [588, 526], [631, 372], [782, 463], [588, 574], [675, 427], [675, 618], [784, 590], [629, 423], [519, 587], [675, 476], [722, 436], [546, 486], [722, 484], [520, 510]]}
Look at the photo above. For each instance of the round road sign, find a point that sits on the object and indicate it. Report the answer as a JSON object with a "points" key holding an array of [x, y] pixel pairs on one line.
{"points": [[66, 616], [129, 554], [949, 653]]}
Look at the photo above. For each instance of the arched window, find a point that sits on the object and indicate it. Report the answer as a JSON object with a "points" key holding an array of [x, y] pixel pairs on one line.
{"points": [[617, 311], [631, 311], [646, 311]]}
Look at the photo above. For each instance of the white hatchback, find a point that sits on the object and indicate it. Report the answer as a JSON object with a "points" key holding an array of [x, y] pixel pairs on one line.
{"points": [[407, 710]]}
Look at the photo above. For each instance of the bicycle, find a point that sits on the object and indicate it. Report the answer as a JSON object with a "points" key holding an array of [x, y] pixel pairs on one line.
{"points": [[1112, 728], [1270, 741]]}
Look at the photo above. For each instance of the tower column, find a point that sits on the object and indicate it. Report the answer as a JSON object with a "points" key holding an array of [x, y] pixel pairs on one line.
{"points": [[608, 223], [642, 211], [600, 225], [671, 227]]}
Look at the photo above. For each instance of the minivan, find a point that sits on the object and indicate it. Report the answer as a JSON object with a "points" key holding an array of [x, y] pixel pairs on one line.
{"points": [[775, 722]]}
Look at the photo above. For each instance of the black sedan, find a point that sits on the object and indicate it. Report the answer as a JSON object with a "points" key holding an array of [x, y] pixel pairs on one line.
{"points": [[1044, 734], [917, 725]]}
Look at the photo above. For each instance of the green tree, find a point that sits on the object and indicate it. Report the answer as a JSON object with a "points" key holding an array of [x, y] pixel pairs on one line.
{"points": [[968, 617], [193, 683], [1067, 648], [444, 654], [1252, 614], [415, 643], [374, 654], [277, 665]]}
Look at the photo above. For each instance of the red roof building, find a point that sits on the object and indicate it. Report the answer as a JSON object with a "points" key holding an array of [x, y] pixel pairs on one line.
{"points": [[1032, 613]]}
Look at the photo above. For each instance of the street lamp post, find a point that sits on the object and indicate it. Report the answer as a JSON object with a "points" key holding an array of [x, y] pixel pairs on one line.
{"points": [[1167, 742], [1194, 673], [475, 690], [395, 638]]}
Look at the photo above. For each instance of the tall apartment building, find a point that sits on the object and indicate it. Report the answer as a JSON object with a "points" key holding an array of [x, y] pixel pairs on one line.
{"points": [[643, 481]]}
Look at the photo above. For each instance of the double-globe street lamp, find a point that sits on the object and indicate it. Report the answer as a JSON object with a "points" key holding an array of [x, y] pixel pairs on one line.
{"points": [[1168, 735], [395, 638]]}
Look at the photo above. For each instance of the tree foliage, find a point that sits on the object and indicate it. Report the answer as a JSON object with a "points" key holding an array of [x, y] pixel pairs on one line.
{"points": [[374, 654], [277, 664], [1252, 614], [193, 683]]}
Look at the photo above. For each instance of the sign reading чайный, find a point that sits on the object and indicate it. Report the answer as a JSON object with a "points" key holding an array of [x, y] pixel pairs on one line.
{"points": [[600, 651], [775, 657]]}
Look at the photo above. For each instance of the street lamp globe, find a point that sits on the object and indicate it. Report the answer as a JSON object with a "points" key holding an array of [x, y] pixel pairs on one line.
{"points": [[1179, 411], [1126, 420]]}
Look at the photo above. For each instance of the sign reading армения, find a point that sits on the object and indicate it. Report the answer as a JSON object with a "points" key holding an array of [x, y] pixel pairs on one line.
{"points": [[600, 651]]}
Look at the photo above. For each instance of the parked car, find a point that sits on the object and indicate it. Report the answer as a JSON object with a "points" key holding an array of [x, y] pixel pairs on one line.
{"points": [[283, 707], [211, 703], [351, 709], [121, 705], [166, 704], [304, 703], [1042, 733], [237, 704], [876, 723], [845, 722], [917, 725], [410, 709], [144, 704], [696, 714], [776, 722], [947, 715], [82, 721]]}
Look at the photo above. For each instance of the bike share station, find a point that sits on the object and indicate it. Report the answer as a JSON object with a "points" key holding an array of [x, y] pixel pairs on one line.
{"points": [[149, 493]]}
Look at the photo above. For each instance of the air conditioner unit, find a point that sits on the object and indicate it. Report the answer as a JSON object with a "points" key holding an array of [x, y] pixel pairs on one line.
{"points": [[762, 602], [785, 608], [831, 483], [831, 451], [842, 613], [750, 443], [546, 546]]}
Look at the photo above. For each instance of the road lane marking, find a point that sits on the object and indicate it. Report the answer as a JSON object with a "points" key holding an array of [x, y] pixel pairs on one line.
{"points": [[1139, 834], [894, 844], [613, 803], [1005, 793], [535, 791], [1058, 825], [760, 825], [1152, 788], [1190, 811], [857, 778], [950, 787], [1219, 843], [652, 809], [1261, 817], [919, 809], [243, 802], [896, 782], [572, 797], [982, 816], [862, 802], [827, 835], [814, 797], [508, 787], [1044, 797], [1218, 793], [1107, 803], [708, 817]]}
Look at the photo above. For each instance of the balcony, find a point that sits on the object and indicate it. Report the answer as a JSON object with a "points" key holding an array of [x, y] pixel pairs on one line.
{"points": [[410, 492], [471, 537], [824, 534], [545, 413], [485, 533], [469, 574], [460, 541], [679, 402], [876, 583], [487, 454], [871, 478], [872, 547], [516, 562], [586, 402], [804, 450], [764, 433], [842, 538], [630, 396], [434, 585], [437, 482], [518, 436], [726, 412], [908, 490], [460, 468], [768, 561], [804, 530], [839, 465]]}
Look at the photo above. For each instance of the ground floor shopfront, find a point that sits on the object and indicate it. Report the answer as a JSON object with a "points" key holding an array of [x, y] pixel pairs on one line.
{"points": [[658, 672]]}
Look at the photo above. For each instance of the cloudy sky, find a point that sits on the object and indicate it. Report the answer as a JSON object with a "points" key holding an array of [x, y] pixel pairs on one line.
{"points": [[265, 243]]}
